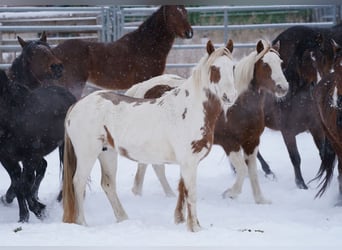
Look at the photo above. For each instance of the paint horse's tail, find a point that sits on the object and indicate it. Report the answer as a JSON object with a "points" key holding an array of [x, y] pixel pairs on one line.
{"points": [[69, 203]]}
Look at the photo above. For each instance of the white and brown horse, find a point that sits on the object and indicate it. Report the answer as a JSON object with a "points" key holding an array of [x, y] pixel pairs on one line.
{"points": [[175, 128], [238, 131]]}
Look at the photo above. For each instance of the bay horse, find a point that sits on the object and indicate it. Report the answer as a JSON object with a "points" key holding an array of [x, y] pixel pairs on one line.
{"points": [[31, 126], [175, 128], [135, 57], [298, 43], [237, 131], [328, 99], [36, 65], [296, 112]]}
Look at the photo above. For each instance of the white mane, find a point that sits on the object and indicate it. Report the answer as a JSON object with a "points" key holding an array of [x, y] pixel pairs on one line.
{"points": [[244, 69]]}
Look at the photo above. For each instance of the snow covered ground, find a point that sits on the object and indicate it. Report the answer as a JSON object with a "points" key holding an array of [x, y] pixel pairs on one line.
{"points": [[294, 219]]}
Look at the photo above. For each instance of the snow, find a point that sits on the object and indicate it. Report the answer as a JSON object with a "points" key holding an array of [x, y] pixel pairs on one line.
{"points": [[294, 219]]}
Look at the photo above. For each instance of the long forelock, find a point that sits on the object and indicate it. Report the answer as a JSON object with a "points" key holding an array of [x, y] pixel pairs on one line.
{"points": [[244, 69], [202, 68]]}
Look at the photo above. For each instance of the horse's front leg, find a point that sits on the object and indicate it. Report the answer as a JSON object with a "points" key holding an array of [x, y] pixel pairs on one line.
{"points": [[265, 167], [291, 145], [180, 207], [238, 161], [28, 180], [189, 175], [253, 177]]}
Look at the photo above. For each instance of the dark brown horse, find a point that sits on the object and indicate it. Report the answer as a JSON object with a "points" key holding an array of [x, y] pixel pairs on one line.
{"points": [[36, 65], [239, 130], [328, 98], [135, 57], [297, 112]]}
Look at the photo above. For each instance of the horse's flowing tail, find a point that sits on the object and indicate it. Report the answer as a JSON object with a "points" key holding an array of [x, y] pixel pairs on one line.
{"points": [[69, 203], [327, 168]]}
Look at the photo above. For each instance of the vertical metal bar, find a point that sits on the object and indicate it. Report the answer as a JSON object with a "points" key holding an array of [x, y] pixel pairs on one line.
{"points": [[226, 25]]}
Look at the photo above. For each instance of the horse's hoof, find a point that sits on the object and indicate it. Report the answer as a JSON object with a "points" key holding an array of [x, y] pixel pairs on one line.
{"points": [[301, 184], [4, 200], [229, 194], [263, 201], [271, 176], [136, 192], [24, 218], [194, 227], [179, 218]]}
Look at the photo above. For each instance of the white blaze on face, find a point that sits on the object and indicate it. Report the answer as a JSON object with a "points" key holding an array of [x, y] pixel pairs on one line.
{"points": [[334, 99], [274, 62]]}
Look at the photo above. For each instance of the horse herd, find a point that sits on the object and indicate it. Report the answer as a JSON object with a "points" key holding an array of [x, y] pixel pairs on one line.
{"points": [[293, 84]]}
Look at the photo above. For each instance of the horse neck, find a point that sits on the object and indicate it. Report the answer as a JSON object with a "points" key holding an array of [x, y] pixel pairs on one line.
{"points": [[20, 74], [155, 34], [15, 93], [244, 73]]}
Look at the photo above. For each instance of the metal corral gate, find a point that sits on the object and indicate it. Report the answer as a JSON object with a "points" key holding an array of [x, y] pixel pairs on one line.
{"points": [[109, 23]]}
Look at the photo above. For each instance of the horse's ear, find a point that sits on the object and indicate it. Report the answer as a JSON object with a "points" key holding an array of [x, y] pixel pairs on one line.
{"points": [[21, 42], [335, 46], [260, 46], [276, 46], [230, 45], [210, 47], [43, 37]]}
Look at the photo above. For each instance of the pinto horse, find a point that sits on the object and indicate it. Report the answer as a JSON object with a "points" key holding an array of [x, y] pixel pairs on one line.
{"points": [[31, 126], [36, 65], [179, 129], [135, 57], [239, 130], [328, 98]]}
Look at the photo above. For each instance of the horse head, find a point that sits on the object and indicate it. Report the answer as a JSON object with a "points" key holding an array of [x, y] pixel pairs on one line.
{"points": [[176, 19], [268, 74], [36, 63], [220, 66]]}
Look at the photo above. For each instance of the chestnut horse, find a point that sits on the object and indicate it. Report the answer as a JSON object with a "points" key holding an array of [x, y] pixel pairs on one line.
{"points": [[328, 98], [36, 65], [179, 129], [239, 130], [135, 57]]}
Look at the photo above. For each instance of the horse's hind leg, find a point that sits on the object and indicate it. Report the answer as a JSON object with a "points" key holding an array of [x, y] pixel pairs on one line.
{"points": [[253, 177], [40, 172], [339, 178], [291, 145], [14, 171], [238, 161], [160, 172], [28, 179], [139, 179], [108, 161]]}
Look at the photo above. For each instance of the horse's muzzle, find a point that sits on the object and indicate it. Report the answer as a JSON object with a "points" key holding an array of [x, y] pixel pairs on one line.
{"points": [[57, 70], [189, 33]]}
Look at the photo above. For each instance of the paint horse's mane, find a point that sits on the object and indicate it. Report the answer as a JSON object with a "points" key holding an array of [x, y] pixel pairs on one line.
{"points": [[244, 69], [206, 61]]}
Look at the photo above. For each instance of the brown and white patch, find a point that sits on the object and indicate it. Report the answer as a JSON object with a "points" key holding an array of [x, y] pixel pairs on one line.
{"points": [[215, 74]]}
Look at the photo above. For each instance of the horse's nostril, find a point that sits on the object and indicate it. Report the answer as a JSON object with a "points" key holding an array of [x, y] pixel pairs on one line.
{"points": [[189, 34]]}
